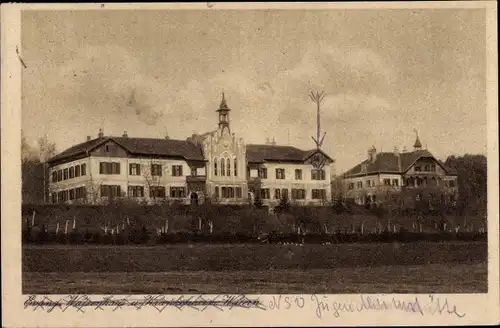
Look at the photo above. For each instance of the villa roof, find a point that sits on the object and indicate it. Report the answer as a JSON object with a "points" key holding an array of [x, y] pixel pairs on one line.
{"points": [[388, 162]]}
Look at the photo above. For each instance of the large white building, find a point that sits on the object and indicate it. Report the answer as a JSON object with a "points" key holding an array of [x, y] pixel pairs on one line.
{"points": [[215, 164]]}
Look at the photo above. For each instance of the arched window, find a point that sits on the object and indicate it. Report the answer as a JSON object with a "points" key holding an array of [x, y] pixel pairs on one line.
{"points": [[222, 167], [216, 192], [215, 166], [228, 167], [235, 167]]}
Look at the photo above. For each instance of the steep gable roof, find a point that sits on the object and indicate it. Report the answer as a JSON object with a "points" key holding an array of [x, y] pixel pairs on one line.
{"points": [[389, 162], [139, 146], [274, 153]]}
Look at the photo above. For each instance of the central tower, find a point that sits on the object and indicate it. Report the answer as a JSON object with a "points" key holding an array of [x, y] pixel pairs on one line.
{"points": [[223, 112]]}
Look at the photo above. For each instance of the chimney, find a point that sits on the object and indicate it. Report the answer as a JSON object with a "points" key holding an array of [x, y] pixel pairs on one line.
{"points": [[101, 133], [125, 135], [372, 154], [267, 141], [89, 138], [396, 150], [273, 142]]}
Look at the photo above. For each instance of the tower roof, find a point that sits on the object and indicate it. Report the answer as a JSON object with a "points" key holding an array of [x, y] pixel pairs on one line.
{"points": [[223, 105], [417, 144]]}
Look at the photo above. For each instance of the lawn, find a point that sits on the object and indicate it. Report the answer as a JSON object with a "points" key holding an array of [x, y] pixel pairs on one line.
{"points": [[420, 267]]}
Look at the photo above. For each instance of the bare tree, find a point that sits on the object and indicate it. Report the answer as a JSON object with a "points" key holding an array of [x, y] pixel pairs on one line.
{"points": [[152, 179], [46, 150]]}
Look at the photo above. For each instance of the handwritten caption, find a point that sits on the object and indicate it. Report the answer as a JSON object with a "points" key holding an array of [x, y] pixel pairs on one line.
{"points": [[158, 302], [322, 305], [326, 305]]}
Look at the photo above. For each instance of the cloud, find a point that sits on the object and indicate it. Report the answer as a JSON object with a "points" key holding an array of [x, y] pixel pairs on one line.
{"points": [[104, 79]]}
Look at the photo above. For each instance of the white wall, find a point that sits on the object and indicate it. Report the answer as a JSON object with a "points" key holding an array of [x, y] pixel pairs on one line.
{"points": [[290, 182]]}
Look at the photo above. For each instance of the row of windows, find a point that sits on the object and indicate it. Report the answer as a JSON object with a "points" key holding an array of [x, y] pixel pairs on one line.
{"points": [[296, 193], [408, 182], [70, 194], [225, 167], [426, 168], [228, 192], [280, 174], [135, 169], [69, 173], [138, 191]]}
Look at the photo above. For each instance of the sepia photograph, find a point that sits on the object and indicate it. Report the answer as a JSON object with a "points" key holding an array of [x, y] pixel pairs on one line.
{"points": [[270, 151]]}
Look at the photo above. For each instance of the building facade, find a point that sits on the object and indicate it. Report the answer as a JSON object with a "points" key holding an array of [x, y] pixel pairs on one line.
{"points": [[215, 165], [388, 172]]}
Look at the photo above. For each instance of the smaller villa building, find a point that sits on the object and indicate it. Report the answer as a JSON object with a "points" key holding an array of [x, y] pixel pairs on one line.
{"points": [[398, 171]]}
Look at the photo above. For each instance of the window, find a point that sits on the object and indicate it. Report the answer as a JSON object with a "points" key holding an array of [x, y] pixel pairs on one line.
{"points": [[418, 169], [215, 167], [135, 191], [235, 167], [426, 168], [62, 196], [77, 171], [395, 182], [65, 174], [360, 184], [228, 164], [177, 192], [419, 181], [298, 174], [108, 168], [157, 168], [264, 193], [318, 194], [110, 191], [72, 172], [451, 183], [54, 198], [59, 175], [298, 194], [277, 193], [227, 192], [71, 194], [80, 192], [84, 169], [387, 182], [280, 174], [318, 175], [193, 172], [134, 169], [284, 193], [238, 192], [350, 186], [222, 167], [263, 173], [54, 176], [433, 167], [368, 183], [157, 192]]}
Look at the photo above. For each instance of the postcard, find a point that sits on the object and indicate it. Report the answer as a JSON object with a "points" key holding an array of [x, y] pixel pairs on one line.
{"points": [[250, 164]]}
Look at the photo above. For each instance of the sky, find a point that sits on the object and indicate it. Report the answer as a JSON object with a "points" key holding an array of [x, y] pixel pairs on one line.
{"points": [[385, 73]]}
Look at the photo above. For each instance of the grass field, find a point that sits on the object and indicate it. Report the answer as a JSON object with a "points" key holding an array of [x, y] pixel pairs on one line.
{"points": [[450, 267]]}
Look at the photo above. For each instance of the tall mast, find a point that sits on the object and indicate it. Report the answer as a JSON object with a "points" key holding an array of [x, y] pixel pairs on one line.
{"points": [[318, 98]]}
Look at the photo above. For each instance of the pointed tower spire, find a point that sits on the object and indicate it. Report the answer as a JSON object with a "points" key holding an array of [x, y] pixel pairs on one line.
{"points": [[224, 114], [418, 144]]}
